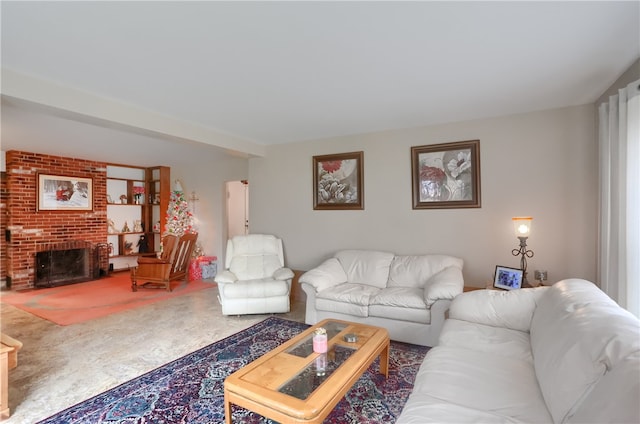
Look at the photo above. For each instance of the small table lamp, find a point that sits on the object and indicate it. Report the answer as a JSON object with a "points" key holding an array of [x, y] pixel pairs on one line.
{"points": [[522, 228]]}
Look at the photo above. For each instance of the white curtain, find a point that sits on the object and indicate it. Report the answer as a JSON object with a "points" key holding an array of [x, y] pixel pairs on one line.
{"points": [[619, 240]]}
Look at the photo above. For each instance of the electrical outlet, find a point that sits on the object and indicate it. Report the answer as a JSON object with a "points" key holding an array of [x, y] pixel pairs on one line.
{"points": [[540, 275]]}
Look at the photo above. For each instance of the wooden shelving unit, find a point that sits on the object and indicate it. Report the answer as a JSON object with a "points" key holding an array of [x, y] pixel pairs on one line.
{"points": [[135, 195], [158, 180]]}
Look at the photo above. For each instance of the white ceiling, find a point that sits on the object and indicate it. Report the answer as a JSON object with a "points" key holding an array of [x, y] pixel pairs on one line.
{"points": [[279, 72]]}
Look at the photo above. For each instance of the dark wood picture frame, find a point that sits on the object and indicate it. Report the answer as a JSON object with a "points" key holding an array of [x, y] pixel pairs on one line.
{"points": [[64, 193], [446, 175], [508, 278], [338, 181]]}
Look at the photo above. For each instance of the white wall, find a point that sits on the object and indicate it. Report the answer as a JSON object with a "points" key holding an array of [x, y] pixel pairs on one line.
{"points": [[541, 164]]}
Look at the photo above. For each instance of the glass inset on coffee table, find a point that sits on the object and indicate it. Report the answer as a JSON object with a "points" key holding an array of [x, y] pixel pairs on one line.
{"points": [[317, 372]]}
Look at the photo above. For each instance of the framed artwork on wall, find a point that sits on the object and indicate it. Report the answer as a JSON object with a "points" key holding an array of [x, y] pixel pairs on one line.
{"points": [[446, 175], [64, 193], [338, 181]]}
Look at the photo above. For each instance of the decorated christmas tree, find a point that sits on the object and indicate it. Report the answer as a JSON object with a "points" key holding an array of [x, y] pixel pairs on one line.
{"points": [[179, 216]]}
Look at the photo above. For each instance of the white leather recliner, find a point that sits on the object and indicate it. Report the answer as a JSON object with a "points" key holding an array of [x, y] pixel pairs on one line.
{"points": [[255, 280]]}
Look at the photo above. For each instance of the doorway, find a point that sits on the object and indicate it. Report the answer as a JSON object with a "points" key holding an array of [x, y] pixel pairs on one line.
{"points": [[237, 208]]}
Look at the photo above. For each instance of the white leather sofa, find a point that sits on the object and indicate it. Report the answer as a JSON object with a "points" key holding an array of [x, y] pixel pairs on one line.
{"points": [[255, 280], [560, 354], [407, 295]]}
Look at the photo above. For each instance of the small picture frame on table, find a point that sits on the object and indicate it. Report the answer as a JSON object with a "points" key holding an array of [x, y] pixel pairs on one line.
{"points": [[507, 278]]}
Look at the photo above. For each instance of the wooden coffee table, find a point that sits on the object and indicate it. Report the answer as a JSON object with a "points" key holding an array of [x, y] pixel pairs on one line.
{"points": [[292, 384]]}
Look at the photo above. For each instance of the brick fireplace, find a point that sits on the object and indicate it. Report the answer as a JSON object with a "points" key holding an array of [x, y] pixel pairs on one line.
{"points": [[29, 231]]}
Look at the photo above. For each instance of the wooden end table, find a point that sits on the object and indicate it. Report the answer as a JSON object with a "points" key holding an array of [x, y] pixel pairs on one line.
{"points": [[9, 348], [293, 384]]}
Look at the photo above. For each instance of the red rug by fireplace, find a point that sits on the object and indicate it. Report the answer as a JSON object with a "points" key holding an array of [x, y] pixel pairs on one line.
{"points": [[80, 302]]}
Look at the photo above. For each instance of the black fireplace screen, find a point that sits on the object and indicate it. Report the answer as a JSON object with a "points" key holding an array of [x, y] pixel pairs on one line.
{"points": [[59, 267]]}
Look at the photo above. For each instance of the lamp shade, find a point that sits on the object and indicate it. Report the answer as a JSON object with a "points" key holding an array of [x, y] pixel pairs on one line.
{"points": [[522, 225]]}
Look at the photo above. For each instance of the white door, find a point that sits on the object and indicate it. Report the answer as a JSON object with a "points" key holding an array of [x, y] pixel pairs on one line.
{"points": [[237, 208]]}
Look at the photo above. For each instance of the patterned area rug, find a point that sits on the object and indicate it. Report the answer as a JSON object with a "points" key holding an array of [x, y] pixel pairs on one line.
{"points": [[190, 389]]}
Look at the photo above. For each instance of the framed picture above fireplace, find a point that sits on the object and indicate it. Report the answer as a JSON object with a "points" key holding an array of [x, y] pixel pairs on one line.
{"points": [[64, 193]]}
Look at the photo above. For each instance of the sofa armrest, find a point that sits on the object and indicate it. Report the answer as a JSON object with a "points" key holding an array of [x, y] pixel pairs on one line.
{"points": [[498, 308], [226, 276], [283, 274], [446, 284], [328, 274]]}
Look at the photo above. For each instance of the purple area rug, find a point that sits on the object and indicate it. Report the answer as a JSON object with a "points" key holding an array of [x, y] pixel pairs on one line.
{"points": [[190, 389]]}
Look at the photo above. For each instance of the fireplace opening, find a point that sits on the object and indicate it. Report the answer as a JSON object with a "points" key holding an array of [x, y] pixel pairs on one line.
{"points": [[66, 266]]}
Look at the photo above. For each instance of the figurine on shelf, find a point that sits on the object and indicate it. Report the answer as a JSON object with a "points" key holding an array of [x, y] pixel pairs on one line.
{"points": [[112, 227], [143, 246], [123, 199], [137, 226], [126, 229], [128, 247]]}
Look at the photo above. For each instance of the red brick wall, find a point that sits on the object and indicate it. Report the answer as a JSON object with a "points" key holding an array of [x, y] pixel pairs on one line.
{"points": [[3, 226], [32, 230]]}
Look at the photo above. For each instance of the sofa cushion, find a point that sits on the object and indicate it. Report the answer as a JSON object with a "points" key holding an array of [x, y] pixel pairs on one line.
{"points": [[415, 271], [485, 338], [265, 287], [500, 388], [574, 344], [430, 409], [366, 266], [352, 299], [401, 297], [358, 294], [400, 303]]}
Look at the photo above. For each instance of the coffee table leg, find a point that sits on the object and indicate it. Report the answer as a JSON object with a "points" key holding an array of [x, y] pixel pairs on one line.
{"points": [[384, 361], [227, 409]]}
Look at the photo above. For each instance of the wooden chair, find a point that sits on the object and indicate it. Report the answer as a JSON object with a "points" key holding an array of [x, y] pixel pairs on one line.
{"points": [[172, 265]]}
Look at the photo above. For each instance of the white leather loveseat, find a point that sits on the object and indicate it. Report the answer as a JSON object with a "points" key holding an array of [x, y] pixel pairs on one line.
{"points": [[255, 280], [407, 295], [560, 354]]}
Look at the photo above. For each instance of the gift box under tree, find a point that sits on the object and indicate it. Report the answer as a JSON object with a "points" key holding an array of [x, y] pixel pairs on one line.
{"points": [[203, 267]]}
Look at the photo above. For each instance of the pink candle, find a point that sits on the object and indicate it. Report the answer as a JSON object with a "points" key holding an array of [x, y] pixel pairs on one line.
{"points": [[320, 343]]}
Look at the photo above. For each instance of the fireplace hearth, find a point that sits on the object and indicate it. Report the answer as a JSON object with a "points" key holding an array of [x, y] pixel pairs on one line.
{"points": [[60, 266]]}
